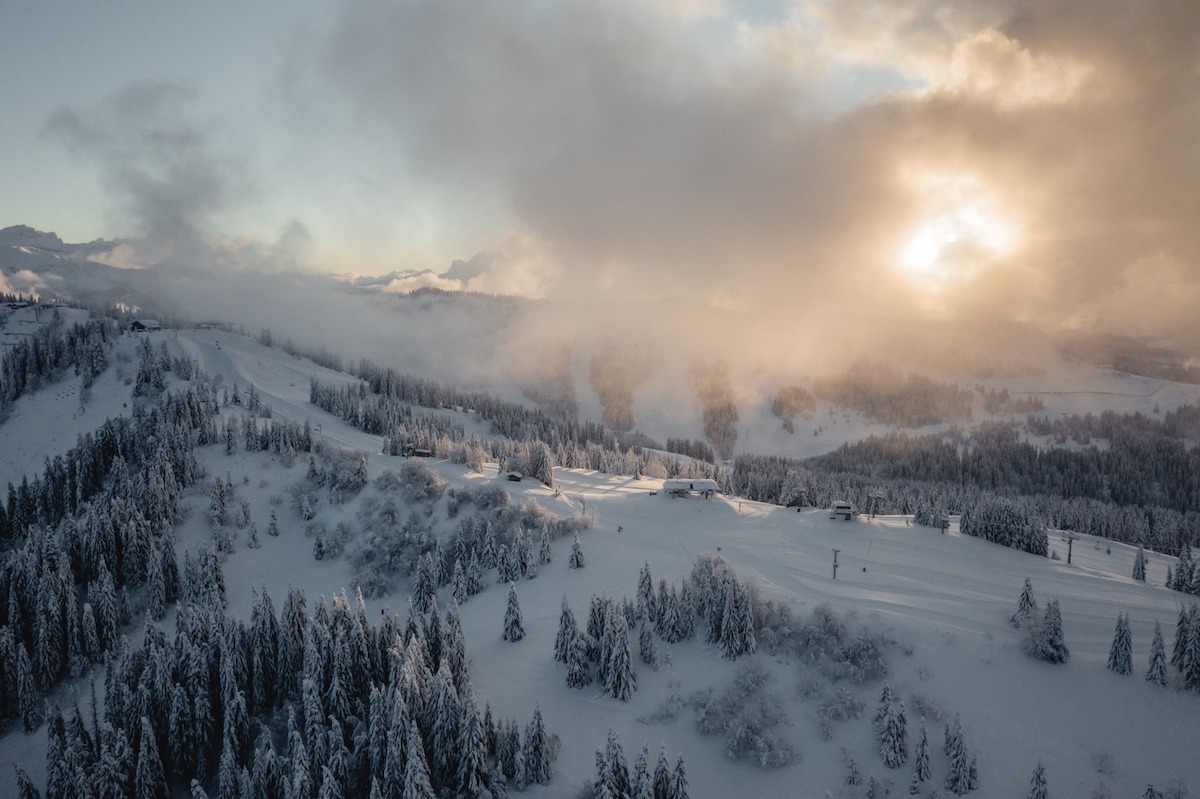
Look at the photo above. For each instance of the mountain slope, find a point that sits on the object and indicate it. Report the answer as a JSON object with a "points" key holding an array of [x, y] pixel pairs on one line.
{"points": [[943, 597]]}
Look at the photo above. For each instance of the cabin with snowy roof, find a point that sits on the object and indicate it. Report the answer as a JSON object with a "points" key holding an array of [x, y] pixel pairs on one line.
{"points": [[701, 486], [842, 510]]}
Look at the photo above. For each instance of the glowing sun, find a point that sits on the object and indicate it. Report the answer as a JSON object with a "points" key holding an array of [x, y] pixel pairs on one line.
{"points": [[961, 228]]}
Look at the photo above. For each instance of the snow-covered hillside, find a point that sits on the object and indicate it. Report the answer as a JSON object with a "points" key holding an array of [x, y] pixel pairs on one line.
{"points": [[511, 347], [943, 599]]}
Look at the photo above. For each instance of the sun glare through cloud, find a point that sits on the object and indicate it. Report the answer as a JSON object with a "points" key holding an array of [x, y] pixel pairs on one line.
{"points": [[961, 229]]}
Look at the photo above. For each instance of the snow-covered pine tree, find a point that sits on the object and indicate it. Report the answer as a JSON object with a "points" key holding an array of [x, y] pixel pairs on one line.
{"points": [[622, 680], [1191, 654], [471, 776], [1120, 655], [1037, 783], [545, 552], [576, 559], [958, 780], [157, 605], [1044, 640], [1182, 625], [893, 735], [647, 649], [25, 788], [476, 582], [1156, 672], [646, 600], [443, 733], [149, 781], [641, 784], [508, 743], [566, 632], [921, 763], [1027, 606], [26, 690], [853, 774], [506, 565], [273, 526], [416, 773], [1139, 565], [424, 592], [514, 630], [537, 750], [679, 783], [616, 766], [661, 781], [459, 583], [488, 557], [579, 673], [526, 562]]}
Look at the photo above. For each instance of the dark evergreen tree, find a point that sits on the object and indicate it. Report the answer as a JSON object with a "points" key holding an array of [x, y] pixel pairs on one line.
{"points": [[1139, 565], [647, 649], [853, 774], [110, 778], [1037, 783], [1157, 671], [679, 783], [1120, 655], [576, 559], [514, 630], [149, 781], [1182, 626], [566, 633], [26, 690], [25, 788], [1191, 653], [662, 777]]}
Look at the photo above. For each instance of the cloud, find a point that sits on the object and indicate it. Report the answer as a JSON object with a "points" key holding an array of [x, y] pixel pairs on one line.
{"points": [[177, 180], [676, 156], [157, 160], [22, 282]]}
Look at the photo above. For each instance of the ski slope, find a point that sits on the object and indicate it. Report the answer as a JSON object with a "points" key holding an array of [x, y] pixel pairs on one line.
{"points": [[944, 598]]}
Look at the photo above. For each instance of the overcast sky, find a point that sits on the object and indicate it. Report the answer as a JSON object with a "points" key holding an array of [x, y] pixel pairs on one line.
{"points": [[1007, 159]]}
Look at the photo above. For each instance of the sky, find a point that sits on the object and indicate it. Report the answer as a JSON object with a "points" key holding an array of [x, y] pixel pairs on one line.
{"points": [[1002, 160]]}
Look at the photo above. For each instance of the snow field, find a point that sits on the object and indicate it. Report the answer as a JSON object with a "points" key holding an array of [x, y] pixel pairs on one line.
{"points": [[945, 598]]}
